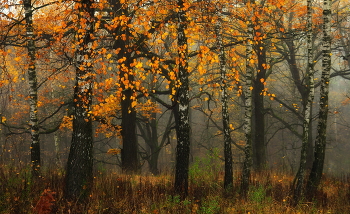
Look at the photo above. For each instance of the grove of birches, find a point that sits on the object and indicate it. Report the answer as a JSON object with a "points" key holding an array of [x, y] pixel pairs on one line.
{"points": [[154, 87]]}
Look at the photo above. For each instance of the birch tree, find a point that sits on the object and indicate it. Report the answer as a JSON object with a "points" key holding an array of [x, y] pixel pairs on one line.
{"points": [[33, 89], [299, 179], [248, 110], [228, 178], [320, 143], [183, 127]]}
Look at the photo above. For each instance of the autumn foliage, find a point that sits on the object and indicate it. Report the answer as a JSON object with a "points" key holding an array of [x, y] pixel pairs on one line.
{"points": [[45, 203], [131, 65]]}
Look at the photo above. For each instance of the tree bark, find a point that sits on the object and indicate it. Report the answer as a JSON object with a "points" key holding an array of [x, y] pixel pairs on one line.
{"points": [[154, 145], [259, 151], [129, 154], [183, 126], [79, 176], [248, 113], [228, 178], [320, 143], [299, 178], [33, 90]]}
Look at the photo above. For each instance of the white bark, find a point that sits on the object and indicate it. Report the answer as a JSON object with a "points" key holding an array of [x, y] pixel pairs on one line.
{"points": [[248, 110], [33, 90]]}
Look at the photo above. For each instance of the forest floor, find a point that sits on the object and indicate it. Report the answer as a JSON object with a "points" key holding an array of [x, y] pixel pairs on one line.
{"points": [[115, 193]]}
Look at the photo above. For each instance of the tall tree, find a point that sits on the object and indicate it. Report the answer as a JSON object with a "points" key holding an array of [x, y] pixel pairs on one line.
{"points": [[183, 126], [129, 153], [228, 178], [259, 146], [299, 178], [79, 175], [320, 143], [248, 109], [33, 89]]}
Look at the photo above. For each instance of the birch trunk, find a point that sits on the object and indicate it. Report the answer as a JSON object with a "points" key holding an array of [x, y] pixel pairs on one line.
{"points": [[183, 127], [228, 178], [299, 178], [79, 176], [33, 90], [320, 143], [248, 113]]}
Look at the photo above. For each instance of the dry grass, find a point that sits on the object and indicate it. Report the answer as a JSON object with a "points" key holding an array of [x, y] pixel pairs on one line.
{"points": [[113, 193]]}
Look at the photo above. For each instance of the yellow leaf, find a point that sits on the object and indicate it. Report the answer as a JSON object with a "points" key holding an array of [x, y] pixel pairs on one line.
{"points": [[139, 65], [3, 119], [113, 151], [133, 104], [109, 56], [231, 127]]}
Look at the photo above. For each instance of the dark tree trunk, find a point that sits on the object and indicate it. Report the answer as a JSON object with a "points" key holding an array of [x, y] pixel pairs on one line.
{"points": [[79, 175], [129, 153], [183, 126], [259, 151], [149, 132], [155, 148], [320, 143], [153, 162], [33, 90]]}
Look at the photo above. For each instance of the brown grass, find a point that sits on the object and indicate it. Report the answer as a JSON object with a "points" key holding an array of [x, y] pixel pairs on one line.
{"points": [[114, 193]]}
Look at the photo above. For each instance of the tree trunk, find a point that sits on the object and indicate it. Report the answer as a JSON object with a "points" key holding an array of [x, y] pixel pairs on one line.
{"points": [[79, 176], [57, 150], [320, 143], [155, 148], [228, 178], [183, 126], [248, 113], [310, 150], [33, 90], [299, 178], [259, 151], [129, 153], [153, 162]]}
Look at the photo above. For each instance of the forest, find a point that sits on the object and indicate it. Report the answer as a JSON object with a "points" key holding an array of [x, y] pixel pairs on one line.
{"points": [[174, 106]]}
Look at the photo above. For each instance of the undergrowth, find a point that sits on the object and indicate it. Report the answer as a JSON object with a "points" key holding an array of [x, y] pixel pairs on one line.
{"points": [[116, 193]]}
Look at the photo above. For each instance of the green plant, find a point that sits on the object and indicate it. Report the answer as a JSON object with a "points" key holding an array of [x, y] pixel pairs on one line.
{"points": [[204, 169], [174, 200], [257, 194], [210, 206]]}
